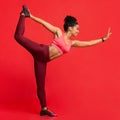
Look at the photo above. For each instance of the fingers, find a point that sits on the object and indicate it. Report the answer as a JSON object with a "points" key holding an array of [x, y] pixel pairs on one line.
{"points": [[110, 33], [109, 30]]}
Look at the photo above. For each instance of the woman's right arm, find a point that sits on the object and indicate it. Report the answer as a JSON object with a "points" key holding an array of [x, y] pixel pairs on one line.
{"points": [[50, 27]]}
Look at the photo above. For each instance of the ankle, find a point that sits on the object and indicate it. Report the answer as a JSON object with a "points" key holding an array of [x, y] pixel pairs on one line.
{"points": [[44, 108], [22, 14]]}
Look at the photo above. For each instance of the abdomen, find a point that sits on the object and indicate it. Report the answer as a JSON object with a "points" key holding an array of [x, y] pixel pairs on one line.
{"points": [[54, 52]]}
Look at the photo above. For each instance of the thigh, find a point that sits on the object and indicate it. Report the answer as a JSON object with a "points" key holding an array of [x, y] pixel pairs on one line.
{"points": [[42, 54], [38, 51], [29, 45]]}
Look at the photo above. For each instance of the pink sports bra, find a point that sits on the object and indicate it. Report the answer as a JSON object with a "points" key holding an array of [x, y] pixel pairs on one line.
{"points": [[61, 45]]}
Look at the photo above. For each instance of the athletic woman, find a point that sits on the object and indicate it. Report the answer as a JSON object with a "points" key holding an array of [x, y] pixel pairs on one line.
{"points": [[42, 54]]}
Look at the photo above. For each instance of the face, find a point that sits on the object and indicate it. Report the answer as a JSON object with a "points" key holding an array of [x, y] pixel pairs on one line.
{"points": [[74, 30]]}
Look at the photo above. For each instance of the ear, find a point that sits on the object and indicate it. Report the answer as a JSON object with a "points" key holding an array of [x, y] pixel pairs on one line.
{"points": [[70, 28]]}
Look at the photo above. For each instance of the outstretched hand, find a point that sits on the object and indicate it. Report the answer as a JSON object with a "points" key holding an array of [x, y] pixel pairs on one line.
{"points": [[108, 34]]}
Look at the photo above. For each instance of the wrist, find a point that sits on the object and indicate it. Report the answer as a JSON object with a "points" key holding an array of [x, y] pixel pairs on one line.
{"points": [[103, 39]]}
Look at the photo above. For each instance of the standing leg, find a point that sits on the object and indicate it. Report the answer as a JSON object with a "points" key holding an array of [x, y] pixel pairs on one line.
{"points": [[40, 73], [40, 64]]}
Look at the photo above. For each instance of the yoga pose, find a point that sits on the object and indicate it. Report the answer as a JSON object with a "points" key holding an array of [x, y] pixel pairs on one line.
{"points": [[42, 54]]}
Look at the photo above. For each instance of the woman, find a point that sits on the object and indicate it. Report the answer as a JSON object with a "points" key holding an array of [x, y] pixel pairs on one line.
{"points": [[44, 53]]}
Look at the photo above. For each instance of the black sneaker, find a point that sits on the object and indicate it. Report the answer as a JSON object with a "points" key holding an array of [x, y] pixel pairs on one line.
{"points": [[26, 11], [47, 112]]}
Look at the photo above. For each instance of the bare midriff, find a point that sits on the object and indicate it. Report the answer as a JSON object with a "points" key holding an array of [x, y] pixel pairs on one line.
{"points": [[53, 52]]}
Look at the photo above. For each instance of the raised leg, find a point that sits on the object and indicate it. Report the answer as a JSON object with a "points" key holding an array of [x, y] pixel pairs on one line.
{"points": [[28, 44]]}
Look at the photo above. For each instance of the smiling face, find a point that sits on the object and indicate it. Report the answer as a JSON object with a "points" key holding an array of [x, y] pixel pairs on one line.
{"points": [[74, 30]]}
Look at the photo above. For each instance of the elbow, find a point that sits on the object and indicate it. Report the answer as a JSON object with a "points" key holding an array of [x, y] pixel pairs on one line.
{"points": [[89, 44], [57, 30]]}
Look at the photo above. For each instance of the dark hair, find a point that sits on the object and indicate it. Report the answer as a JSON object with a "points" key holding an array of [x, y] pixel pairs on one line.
{"points": [[69, 21]]}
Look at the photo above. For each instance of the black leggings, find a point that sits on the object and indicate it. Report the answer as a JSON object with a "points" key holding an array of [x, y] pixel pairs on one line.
{"points": [[40, 54]]}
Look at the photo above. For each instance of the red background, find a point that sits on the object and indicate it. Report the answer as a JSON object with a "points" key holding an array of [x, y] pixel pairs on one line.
{"points": [[84, 84]]}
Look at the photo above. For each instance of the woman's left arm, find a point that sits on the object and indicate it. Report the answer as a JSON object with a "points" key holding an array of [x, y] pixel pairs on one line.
{"points": [[77, 43]]}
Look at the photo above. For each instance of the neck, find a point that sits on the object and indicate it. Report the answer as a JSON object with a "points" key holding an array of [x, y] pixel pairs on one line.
{"points": [[68, 35]]}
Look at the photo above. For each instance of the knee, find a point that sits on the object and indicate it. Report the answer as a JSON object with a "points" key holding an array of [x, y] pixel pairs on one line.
{"points": [[41, 88], [17, 37]]}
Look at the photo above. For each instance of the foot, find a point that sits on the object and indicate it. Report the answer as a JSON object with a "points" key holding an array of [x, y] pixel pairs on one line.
{"points": [[26, 11], [47, 112]]}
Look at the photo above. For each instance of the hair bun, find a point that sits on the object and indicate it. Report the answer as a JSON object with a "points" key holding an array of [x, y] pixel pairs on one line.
{"points": [[69, 19]]}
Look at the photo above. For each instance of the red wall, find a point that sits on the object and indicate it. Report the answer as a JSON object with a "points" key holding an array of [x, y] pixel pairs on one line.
{"points": [[86, 79]]}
